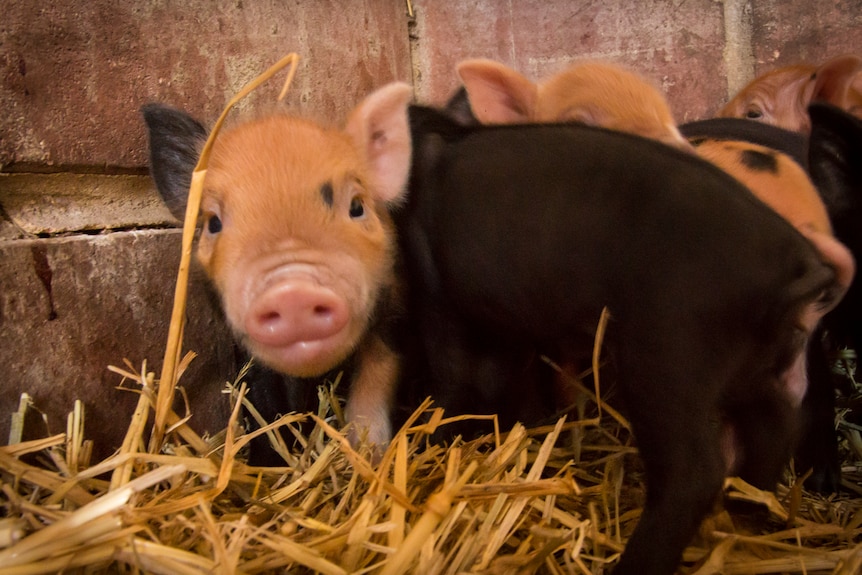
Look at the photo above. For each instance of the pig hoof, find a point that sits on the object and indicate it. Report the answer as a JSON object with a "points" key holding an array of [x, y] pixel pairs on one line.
{"points": [[374, 431]]}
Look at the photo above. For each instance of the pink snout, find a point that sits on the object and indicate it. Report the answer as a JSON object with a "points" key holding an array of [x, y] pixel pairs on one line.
{"points": [[292, 313]]}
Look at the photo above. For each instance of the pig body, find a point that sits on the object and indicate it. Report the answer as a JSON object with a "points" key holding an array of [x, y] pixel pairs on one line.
{"points": [[298, 241], [593, 93], [835, 163], [516, 237], [769, 161], [759, 155]]}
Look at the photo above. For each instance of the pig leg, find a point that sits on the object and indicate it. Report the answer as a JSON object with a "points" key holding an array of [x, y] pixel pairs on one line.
{"points": [[372, 394], [685, 471], [472, 370], [818, 443], [765, 429], [274, 394], [672, 397]]}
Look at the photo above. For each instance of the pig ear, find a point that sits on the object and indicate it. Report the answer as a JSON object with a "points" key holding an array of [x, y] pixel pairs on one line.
{"points": [[835, 161], [175, 143], [378, 127], [458, 108], [834, 78], [498, 94]]}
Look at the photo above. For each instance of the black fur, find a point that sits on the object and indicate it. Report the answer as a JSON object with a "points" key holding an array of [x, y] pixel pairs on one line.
{"points": [[176, 140], [738, 129], [760, 161], [835, 160], [515, 238]]}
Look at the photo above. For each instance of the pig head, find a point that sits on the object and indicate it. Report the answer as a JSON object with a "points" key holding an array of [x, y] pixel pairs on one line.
{"points": [[781, 97], [593, 93], [516, 237], [297, 237]]}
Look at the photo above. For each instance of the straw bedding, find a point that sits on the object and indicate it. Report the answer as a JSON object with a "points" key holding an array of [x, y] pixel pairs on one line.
{"points": [[557, 499]]}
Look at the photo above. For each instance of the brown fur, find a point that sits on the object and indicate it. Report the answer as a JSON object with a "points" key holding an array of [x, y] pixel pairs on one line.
{"points": [[264, 185], [594, 93], [788, 191], [275, 216], [781, 97]]}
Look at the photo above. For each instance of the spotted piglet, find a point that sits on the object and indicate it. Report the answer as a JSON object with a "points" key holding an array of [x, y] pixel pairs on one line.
{"points": [[298, 241]]}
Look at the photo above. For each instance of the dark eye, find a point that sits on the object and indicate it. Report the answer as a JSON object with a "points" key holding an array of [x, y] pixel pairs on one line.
{"points": [[214, 224], [753, 114], [357, 208]]}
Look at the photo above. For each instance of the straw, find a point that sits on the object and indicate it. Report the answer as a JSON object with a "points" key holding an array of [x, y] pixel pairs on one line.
{"points": [[167, 382]]}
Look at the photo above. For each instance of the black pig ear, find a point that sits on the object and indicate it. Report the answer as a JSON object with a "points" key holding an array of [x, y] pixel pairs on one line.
{"points": [[458, 108], [176, 140], [835, 160]]}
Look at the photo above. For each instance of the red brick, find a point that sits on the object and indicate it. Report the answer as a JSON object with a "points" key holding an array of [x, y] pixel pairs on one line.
{"points": [[69, 307], [75, 73], [677, 45], [793, 32]]}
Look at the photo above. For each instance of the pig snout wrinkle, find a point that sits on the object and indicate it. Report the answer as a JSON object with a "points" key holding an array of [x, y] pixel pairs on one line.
{"points": [[291, 314]]}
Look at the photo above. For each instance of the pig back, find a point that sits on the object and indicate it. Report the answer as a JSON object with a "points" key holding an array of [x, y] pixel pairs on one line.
{"points": [[535, 228]]}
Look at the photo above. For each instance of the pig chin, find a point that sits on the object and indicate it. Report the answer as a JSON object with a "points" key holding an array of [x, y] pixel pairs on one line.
{"points": [[303, 358]]}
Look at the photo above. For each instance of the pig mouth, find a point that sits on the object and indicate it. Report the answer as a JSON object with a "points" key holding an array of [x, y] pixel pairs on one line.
{"points": [[302, 358]]}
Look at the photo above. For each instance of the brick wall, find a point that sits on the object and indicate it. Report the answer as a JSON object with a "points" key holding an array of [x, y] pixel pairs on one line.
{"points": [[79, 289]]}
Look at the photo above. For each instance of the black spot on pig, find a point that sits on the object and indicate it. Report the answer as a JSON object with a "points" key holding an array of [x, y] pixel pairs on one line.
{"points": [[326, 193], [759, 161]]}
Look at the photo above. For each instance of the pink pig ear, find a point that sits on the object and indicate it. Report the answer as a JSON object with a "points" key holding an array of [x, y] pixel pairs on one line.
{"points": [[378, 126], [498, 94], [834, 79]]}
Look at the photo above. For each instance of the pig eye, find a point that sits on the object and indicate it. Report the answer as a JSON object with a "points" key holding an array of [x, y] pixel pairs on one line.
{"points": [[357, 208], [753, 114], [214, 224]]}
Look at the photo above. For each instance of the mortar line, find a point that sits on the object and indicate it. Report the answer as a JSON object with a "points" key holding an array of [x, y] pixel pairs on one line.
{"points": [[738, 48]]}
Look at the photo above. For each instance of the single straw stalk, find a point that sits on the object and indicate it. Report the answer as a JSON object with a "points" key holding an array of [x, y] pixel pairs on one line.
{"points": [[167, 382]]}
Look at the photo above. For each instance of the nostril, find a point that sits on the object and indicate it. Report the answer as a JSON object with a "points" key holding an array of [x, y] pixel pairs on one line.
{"points": [[269, 320], [322, 310], [269, 317]]}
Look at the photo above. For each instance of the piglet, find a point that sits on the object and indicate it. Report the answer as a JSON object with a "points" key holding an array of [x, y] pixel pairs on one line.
{"points": [[835, 164], [781, 97], [515, 237], [771, 162], [298, 241], [593, 93]]}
